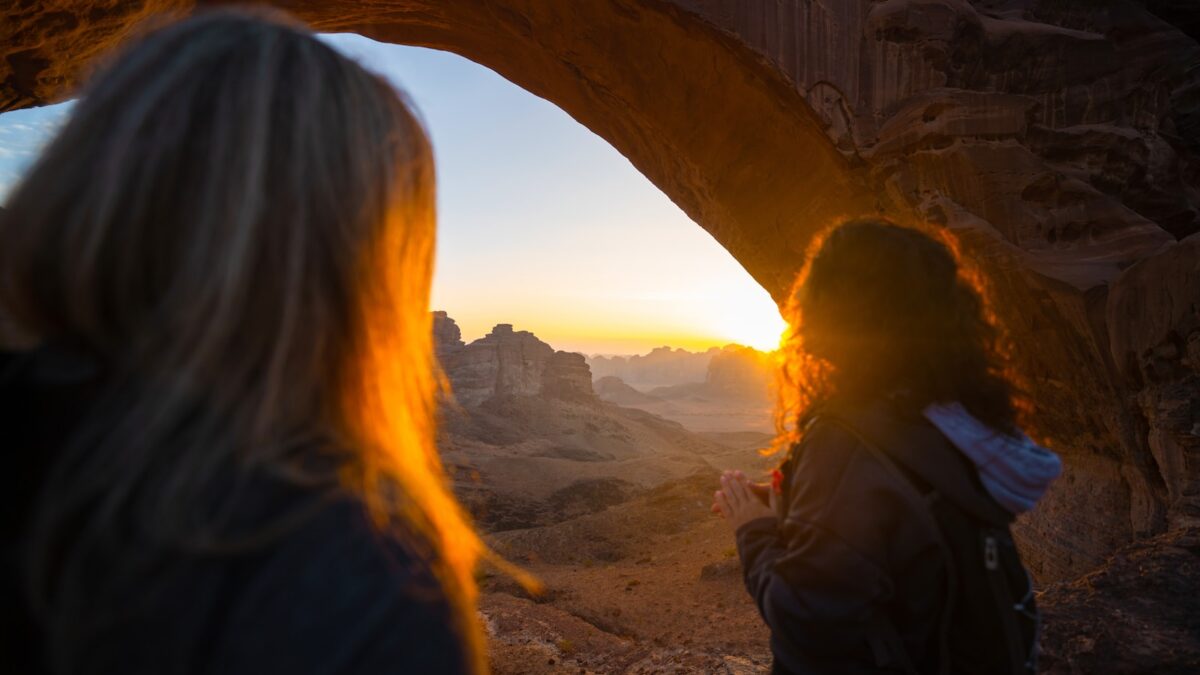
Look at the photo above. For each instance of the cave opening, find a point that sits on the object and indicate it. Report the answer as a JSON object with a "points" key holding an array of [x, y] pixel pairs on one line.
{"points": [[586, 342], [763, 124], [607, 356]]}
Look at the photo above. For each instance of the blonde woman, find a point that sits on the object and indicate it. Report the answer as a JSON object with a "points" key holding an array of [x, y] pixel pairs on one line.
{"points": [[220, 452]]}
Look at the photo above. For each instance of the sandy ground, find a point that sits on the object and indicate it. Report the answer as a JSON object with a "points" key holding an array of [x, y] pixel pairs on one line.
{"points": [[651, 586]]}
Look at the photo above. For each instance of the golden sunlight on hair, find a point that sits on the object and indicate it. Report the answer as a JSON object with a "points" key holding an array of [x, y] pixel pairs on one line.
{"points": [[970, 274], [803, 379], [391, 401], [799, 377]]}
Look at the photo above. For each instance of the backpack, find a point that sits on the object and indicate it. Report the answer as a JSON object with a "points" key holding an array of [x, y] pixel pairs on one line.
{"points": [[990, 624]]}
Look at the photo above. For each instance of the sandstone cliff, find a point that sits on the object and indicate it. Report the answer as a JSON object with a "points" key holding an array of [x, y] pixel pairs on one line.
{"points": [[508, 363]]}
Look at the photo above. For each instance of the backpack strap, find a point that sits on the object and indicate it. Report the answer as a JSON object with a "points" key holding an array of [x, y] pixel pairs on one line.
{"points": [[881, 630], [886, 644]]}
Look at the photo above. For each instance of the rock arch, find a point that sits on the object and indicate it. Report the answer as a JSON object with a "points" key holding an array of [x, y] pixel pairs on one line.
{"points": [[1061, 140]]}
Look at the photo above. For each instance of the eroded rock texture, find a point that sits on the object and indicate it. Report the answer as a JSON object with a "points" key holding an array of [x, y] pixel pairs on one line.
{"points": [[1059, 138], [508, 363], [1115, 620]]}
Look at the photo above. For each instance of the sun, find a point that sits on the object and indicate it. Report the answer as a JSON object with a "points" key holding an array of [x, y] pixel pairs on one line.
{"points": [[749, 317]]}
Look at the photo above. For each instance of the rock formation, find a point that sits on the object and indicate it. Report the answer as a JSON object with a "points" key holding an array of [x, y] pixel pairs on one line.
{"points": [[740, 372], [529, 443], [613, 389], [661, 367], [1060, 140], [508, 363], [447, 337], [734, 394]]}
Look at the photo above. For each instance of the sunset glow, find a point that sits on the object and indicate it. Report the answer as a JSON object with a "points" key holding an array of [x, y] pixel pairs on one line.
{"points": [[544, 225], [541, 223]]}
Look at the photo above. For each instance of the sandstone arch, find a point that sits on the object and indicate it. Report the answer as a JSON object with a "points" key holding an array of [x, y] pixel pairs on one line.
{"points": [[1061, 139]]}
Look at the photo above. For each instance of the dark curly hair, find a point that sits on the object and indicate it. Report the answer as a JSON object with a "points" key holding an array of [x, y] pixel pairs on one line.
{"points": [[883, 309]]}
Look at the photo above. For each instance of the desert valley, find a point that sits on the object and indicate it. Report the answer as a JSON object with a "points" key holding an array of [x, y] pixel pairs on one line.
{"points": [[602, 489]]}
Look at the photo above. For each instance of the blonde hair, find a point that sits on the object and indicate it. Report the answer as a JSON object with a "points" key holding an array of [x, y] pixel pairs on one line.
{"points": [[238, 223]]}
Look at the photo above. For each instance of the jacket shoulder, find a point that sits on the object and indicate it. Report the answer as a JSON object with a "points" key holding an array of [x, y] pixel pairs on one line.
{"points": [[340, 596]]}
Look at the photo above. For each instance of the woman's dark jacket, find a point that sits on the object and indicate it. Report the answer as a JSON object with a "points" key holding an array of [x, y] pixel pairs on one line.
{"points": [[330, 596], [852, 556]]}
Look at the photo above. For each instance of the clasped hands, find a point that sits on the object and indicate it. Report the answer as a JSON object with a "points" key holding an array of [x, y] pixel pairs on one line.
{"points": [[740, 501]]}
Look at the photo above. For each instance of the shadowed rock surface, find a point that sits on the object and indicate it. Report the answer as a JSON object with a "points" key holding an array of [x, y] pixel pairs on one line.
{"points": [[614, 390], [1059, 139], [1139, 613], [508, 363]]}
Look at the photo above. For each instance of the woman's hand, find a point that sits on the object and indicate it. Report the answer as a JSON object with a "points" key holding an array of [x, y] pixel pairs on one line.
{"points": [[738, 503]]}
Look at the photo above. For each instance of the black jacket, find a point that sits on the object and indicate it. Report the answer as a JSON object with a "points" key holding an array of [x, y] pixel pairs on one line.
{"points": [[330, 596], [852, 550]]}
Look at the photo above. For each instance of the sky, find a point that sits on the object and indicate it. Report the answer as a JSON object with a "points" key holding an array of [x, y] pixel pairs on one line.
{"points": [[541, 223]]}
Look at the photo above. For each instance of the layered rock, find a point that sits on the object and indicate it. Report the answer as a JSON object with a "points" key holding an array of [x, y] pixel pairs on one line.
{"points": [[447, 337], [508, 363], [1060, 141]]}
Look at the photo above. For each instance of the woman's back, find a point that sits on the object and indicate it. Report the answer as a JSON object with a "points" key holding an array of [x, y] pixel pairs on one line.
{"points": [[226, 431], [317, 589], [905, 468], [864, 557]]}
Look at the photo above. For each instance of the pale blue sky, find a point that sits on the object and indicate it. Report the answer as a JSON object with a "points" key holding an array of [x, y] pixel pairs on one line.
{"points": [[542, 224]]}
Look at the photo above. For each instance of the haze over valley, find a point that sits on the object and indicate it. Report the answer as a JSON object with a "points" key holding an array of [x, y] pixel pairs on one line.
{"points": [[602, 490]]}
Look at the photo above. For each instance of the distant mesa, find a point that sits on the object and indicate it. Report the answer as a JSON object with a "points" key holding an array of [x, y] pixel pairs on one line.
{"points": [[733, 393], [507, 362], [613, 389], [529, 442], [662, 367], [735, 374]]}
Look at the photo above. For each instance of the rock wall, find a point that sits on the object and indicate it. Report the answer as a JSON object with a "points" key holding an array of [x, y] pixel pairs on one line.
{"points": [[1059, 138]]}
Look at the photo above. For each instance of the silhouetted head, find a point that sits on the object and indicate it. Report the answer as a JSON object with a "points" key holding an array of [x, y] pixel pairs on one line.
{"points": [[881, 309], [237, 223]]}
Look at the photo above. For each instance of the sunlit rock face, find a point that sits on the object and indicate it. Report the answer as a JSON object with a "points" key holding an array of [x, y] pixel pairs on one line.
{"points": [[1060, 140]]}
